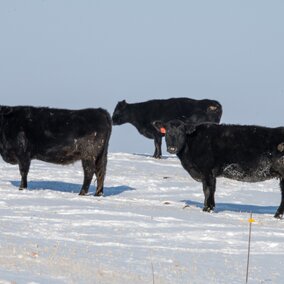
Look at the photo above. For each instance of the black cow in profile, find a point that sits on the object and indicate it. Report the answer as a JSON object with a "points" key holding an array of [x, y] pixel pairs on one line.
{"points": [[243, 153], [57, 136], [142, 115]]}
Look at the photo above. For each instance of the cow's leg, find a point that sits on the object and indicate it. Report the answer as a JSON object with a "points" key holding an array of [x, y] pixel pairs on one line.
{"points": [[158, 147], [89, 170], [209, 187], [100, 171], [23, 158], [280, 210], [24, 166]]}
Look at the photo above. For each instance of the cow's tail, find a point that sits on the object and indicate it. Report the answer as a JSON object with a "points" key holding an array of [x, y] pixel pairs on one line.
{"points": [[101, 160], [219, 111], [215, 109]]}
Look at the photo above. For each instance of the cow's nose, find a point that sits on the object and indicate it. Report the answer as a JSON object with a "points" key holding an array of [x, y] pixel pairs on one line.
{"points": [[172, 149], [115, 120]]}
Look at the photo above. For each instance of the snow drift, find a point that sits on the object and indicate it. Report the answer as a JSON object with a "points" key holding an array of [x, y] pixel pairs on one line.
{"points": [[148, 228]]}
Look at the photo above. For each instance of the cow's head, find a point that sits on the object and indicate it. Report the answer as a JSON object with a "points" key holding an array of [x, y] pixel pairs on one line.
{"points": [[120, 114], [175, 133]]}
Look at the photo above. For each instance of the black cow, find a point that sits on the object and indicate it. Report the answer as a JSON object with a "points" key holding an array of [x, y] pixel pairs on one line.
{"points": [[244, 153], [142, 115], [57, 136]]}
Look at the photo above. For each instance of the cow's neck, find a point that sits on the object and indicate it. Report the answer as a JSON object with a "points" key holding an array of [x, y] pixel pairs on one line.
{"points": [[184, 156], [134, 119], [183, 152]]}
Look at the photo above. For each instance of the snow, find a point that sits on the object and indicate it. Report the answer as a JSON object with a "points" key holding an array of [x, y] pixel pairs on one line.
{"points": [[147, 228]]}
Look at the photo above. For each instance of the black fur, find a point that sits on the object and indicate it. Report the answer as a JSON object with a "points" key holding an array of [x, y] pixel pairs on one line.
{"points": [[57, 136], [244, 153], [142, 115]]}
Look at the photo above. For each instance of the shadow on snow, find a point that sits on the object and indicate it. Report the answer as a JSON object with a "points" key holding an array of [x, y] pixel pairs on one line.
{"points": [[151, 156], [220, 207], [71, 187]]}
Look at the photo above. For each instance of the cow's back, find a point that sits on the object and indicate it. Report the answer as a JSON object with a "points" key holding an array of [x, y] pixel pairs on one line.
{"points": [[174, 108], [238, 138]]}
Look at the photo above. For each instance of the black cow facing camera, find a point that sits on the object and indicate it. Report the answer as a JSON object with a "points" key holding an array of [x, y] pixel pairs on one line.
{"points": [[142, 115], [57, 136], [243, 153]]}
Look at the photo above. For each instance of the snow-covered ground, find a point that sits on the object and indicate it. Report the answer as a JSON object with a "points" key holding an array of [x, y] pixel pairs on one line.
{"points": [[148, 228]]}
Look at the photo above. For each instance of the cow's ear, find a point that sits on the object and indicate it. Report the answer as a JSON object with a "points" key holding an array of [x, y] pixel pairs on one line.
{"points": [[160, 127], [122, 104], [190, 128]]}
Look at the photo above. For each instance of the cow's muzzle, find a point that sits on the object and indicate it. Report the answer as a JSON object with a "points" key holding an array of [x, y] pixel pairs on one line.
{"points": [[172, 149], [115, 120]]}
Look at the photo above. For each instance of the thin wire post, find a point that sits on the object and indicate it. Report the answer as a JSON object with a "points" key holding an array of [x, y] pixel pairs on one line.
{"points": [[153, 274], [251, 220]]}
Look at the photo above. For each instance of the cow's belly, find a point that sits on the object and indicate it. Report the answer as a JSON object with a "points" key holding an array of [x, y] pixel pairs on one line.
{"points": [[83, 149], [9, 156], [58, 159], [259, 172], [147, 134]]}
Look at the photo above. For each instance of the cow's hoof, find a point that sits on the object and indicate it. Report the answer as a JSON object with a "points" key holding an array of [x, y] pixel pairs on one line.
{"points": [[207, 209], [278, 215], [22, 187], [82, 193], [99, 193], [157, 157]]}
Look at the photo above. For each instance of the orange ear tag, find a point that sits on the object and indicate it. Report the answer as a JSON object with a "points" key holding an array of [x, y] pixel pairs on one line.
{"points": [[163, 130]]}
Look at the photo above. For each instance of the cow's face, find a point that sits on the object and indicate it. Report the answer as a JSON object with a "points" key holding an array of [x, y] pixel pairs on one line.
{"points": [[175, 134], [120, 114]]}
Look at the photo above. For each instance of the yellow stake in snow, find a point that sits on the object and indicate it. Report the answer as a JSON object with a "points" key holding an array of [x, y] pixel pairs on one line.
{"points": [[251, 220]]}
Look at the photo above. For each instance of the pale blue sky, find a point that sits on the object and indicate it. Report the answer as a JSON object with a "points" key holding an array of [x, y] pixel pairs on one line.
{"points": [[77, 54]]}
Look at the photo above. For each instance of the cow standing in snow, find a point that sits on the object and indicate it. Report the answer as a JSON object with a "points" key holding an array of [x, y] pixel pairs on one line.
{"points": [[57, 136], [142, 115], [243, 153]]}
